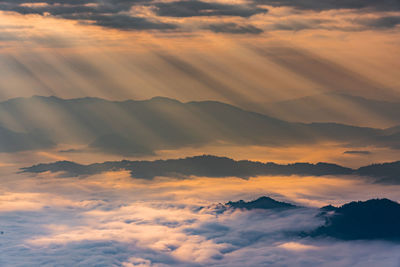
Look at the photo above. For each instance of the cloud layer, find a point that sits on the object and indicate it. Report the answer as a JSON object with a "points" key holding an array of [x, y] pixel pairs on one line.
{"points": [[116, 220], [156, 15]]}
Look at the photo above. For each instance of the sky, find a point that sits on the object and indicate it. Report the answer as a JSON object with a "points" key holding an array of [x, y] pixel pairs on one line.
{"points": [[283, 81], [239, 52]]}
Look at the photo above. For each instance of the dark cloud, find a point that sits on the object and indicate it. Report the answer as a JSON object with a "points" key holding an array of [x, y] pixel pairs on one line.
{"points": [[55, 10], [125, 22], [68, 2], [387, 22], [318, 5], [112, 13], [107, 13], [233, 28], [357, 152], [196, 8], [298, 25]]}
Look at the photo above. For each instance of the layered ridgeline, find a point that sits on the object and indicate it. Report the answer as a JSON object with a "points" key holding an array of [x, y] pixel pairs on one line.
{"points": [[336, 107], [11, 141], [374, 219], [212, 166], [143, 127]]}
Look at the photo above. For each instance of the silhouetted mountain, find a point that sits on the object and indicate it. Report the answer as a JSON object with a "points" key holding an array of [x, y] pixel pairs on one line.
{"points": [[11, 141], [162, 123], [265, 203], [72, 169], [210, 166], [385, 172], [392, 130], [372, 219], [336, 107], [328, 208]]}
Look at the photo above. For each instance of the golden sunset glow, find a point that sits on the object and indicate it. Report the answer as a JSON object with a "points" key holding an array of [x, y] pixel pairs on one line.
{"points": [[199, 133]]}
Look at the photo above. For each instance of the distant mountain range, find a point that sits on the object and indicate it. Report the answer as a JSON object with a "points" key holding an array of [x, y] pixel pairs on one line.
{"points": [[143, 127], [336, 107], [212, 166], [11, 141], [374, 219]]}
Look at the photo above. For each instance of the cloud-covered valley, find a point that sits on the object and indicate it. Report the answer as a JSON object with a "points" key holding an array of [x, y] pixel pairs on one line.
{"points": [[199, 133], [111, 219]]}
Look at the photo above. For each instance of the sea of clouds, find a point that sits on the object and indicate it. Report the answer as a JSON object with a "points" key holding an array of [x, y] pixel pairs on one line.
{"points": [[114, 220]]}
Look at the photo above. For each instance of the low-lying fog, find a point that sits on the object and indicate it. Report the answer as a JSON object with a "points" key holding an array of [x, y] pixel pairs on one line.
{"points": [[112, 219]]}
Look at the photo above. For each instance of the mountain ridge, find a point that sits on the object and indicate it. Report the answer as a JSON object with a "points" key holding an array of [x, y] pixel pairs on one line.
{"points": [[164, 123], [373, 219], [214, 166], [336, 107]]}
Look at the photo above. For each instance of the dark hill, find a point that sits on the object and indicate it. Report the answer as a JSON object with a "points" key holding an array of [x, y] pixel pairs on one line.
{"points": [[372, 219], [265, 203], [210, 166]]}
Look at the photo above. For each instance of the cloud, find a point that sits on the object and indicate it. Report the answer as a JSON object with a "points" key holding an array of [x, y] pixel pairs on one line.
{"points": [[317, 5], [297, 246], [194, 8], [205, 239], [385, 22], [298, 24], [69, 2], [115, 220], [357, 152], [125, 14], [110, 14], [125, 22], [115, 13], [132, 235], [6, 36], [233, 28]]}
